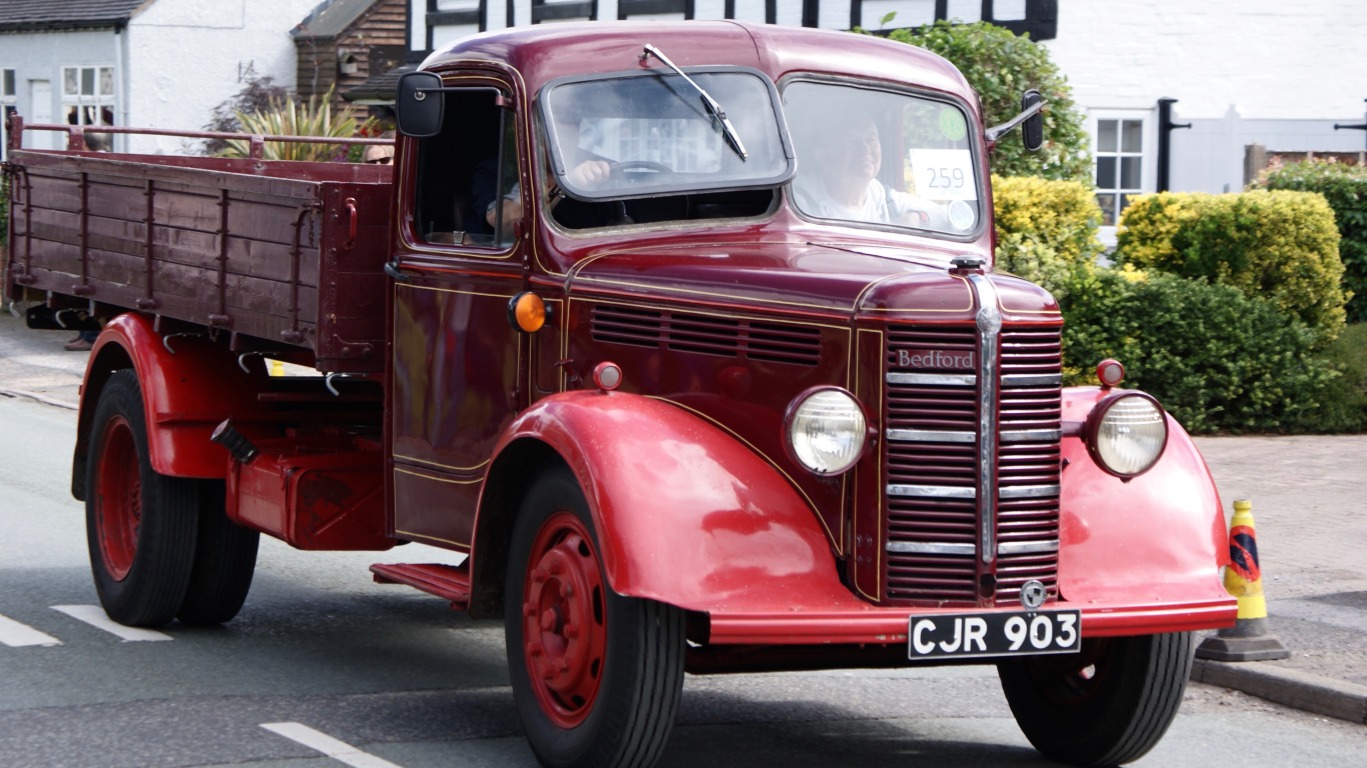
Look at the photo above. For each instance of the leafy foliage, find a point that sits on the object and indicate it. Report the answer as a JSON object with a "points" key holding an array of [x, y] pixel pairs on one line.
{"points": [[1215, 357], [256, 96], [1345, 188], [1046, 229], [1282, 246], [289, 117], [1000, 66], [1344, 401]]}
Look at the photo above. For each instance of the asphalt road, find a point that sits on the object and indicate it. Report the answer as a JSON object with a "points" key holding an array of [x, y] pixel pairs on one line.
{"points": [[324, 668]]}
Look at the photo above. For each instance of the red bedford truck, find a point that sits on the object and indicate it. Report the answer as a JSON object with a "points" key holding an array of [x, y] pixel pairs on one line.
{"points": [[687, 334]]}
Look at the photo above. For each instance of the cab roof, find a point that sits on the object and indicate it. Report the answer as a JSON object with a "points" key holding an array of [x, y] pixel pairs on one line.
{"points": [[545, 52]]}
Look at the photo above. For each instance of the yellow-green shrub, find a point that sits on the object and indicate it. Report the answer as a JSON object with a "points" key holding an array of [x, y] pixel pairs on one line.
{"points": [[1046, 230], [1279, 246]]}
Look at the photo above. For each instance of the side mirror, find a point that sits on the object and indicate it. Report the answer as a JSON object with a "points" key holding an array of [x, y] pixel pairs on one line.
{"points": [[1032, 131], [419, 105]]}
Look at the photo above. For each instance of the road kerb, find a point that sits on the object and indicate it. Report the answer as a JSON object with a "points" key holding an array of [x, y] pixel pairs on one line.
{"points": [[1291, 687]]}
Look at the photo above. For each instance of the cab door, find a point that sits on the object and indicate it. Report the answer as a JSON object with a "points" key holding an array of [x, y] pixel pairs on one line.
{"points": [[457, 361]]}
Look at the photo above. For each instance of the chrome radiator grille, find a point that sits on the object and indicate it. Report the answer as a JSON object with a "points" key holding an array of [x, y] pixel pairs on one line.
{"points": [[933, 486]]}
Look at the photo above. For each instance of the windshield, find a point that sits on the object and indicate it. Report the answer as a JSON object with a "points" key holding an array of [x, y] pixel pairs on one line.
{"points": [[643, 135], [882, 159]]}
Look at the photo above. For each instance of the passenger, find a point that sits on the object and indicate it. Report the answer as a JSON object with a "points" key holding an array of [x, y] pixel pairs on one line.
{"points": [[379, 154], [844, 183]]}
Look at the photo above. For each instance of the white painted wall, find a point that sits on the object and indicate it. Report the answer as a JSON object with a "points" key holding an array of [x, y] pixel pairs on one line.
{"points": [[185, 57], [38, 57], [1270, 59]]}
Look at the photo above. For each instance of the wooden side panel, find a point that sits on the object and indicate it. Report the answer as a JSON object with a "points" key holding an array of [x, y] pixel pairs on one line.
{"points": [[296, 261]]}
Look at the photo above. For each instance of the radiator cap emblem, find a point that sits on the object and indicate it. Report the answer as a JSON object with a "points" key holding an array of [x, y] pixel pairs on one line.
{"points": [[1033, 593], [989, 320]]}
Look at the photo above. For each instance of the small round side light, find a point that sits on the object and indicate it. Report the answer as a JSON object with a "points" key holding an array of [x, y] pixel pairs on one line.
{"points": [[527, 312], [607, 376], [1110, 373]]}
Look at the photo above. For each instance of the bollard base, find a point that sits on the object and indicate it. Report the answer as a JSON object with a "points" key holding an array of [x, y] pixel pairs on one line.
{"points": [[1264, 648]]}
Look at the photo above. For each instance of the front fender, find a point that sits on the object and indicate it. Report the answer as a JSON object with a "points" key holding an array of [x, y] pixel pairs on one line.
{"points": [[1159, 537], [686, 514], [186, 391]]}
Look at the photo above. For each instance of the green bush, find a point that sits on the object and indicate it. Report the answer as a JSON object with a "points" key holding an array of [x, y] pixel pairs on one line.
{"points": [[1345, 187], [1046, 229], [1344, 401], [1282, 246], [1216, 358], [1001, 66]]}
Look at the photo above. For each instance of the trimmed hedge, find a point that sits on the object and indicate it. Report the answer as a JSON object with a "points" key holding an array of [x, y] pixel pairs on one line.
{"points": [[1282, 246], [1216, 358], [1046, 230], [1345, 187]]}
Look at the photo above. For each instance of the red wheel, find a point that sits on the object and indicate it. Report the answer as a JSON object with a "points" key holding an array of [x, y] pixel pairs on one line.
{"points": [[140, 525], [565, 637], [596, 676], [119, 512]]}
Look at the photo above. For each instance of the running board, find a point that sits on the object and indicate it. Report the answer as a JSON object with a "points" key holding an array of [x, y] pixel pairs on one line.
{"points": [[449, 582]]}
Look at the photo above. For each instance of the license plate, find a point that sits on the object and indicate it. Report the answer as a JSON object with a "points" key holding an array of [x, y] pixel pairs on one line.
{"points": [[977, 635]]}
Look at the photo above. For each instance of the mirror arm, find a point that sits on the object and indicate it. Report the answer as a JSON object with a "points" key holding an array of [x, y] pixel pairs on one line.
{"points": [[997, 131]]}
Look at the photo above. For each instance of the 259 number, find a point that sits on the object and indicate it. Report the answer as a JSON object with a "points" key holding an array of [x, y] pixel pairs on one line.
{"points": [[946, 178]]}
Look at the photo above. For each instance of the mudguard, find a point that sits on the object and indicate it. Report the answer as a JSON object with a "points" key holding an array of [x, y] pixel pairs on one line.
{"points": [[189, 384], [686, 514], [1158, 538]]}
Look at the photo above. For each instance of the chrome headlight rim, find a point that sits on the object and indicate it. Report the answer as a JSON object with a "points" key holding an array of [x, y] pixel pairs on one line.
{"points": [[859, 434], [1091, 432]]}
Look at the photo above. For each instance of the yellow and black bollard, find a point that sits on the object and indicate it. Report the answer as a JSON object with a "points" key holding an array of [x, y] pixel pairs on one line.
{"points": [[1248, 639]]}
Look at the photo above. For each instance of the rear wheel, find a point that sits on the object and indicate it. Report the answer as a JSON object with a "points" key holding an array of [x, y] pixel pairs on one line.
{"points": [[140, 526], [225, 559], [596, 676], [1109, 704]]}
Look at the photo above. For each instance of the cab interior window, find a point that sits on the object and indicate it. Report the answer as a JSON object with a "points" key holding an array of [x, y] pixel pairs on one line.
{"points": [[466, 166]]}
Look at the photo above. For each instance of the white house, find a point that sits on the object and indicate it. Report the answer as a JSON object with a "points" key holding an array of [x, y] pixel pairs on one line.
{"points": [[158, 63]]}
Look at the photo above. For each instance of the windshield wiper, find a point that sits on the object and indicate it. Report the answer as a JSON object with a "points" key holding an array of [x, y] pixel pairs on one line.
{"points": [[709, 103]]}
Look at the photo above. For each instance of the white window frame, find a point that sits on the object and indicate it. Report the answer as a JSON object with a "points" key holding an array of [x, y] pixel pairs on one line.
{"points": [[9, 102], [91, 101], [1147, 154]]}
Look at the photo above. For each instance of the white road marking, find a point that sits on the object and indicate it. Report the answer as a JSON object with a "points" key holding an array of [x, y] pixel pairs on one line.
{"points": [[333, 748], [14, 634], [94, 616]]}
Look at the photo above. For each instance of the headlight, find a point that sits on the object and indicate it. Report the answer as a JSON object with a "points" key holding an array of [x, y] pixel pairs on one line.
{"points": [[1126, 433], [826, 430]]}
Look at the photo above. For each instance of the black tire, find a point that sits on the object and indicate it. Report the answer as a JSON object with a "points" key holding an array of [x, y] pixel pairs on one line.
{"points": [[140, 526], [225, 559], [612, 703], [1108, 705]]}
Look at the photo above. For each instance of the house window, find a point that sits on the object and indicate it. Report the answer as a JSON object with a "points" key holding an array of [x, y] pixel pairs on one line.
{"points": [[88, 95], [564, 10], [1037, 18], [7, 107], [654, 9], [1120, 165]]}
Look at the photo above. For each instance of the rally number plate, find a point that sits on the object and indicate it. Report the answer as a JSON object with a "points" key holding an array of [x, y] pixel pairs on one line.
{"points": [[977, 635]]}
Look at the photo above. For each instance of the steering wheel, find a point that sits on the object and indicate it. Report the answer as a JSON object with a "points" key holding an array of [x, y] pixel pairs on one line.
{"points": [[618, 168]]}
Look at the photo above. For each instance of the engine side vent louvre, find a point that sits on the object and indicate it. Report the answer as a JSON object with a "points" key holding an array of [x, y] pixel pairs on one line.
{"points": [[707, 335]]}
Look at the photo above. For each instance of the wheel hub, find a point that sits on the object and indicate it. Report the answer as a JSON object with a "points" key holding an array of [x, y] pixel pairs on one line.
{"points": [[118, 499], [564, 628]]}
